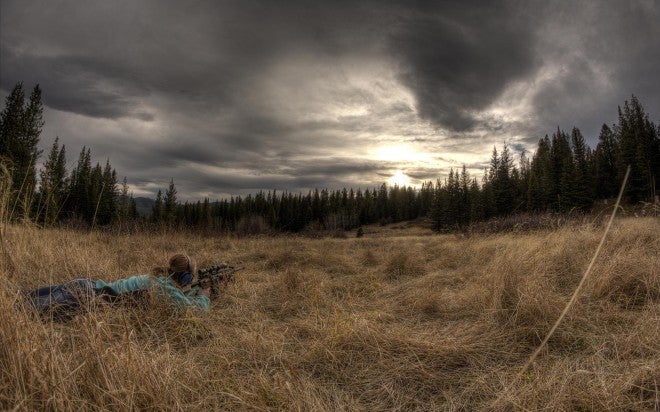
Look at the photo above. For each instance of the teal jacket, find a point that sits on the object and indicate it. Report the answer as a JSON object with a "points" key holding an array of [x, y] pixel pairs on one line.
{"points": [[144, 282]]}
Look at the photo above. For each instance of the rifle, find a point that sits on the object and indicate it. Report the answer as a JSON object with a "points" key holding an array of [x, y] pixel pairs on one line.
{"points": [[215, 276]]}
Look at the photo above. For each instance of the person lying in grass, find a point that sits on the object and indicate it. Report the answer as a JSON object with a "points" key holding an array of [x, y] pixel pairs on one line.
{"points": [[63, 301]]}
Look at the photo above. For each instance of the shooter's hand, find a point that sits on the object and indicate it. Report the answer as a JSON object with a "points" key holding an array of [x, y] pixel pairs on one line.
{"points": [[206, 292]]}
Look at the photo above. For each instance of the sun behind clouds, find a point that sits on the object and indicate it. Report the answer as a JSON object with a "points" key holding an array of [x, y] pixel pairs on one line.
{"points": [[399, 179]]}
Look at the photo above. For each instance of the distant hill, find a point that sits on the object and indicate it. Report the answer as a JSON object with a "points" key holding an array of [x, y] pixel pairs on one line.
{"points": [[144, 205]]}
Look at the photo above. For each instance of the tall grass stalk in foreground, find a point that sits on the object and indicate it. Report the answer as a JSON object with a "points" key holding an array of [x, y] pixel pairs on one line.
{"points": [[382, 322], [5, 191], [577, 291]]}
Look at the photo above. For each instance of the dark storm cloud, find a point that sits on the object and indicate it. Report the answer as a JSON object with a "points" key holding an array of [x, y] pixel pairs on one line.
{"points": [[61, 75], [456, 57], [124, 53], [459, 57]]}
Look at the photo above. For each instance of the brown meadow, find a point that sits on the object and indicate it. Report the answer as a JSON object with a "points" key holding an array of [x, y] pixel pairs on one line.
{"points": [[400, 319]]}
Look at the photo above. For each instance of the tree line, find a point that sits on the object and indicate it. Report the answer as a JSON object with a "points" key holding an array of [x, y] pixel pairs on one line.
{"points": [[564, 174], [87, 194], [292, 212]]}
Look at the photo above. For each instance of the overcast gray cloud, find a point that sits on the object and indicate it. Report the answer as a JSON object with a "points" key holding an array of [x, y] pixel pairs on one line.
{"points": [[230, 97]]}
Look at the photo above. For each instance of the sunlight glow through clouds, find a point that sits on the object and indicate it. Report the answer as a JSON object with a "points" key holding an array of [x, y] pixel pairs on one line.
{"points": [[400, 153], [399, 179]]}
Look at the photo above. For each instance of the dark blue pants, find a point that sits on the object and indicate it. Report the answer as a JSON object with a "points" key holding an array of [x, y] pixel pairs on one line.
{"points": [[62, 301]]}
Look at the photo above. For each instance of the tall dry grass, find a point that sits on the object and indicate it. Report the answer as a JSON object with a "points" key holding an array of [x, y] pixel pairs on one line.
{"points": [[384, 322]]}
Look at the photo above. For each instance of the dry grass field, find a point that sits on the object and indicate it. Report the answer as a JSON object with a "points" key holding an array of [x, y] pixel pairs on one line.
{"points": [[399, 319]]}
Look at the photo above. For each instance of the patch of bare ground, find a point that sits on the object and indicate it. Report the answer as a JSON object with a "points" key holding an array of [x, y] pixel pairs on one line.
{"points": [[398, 319]]}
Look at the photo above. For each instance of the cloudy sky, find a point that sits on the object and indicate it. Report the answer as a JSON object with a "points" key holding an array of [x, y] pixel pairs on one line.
{"points": [[230, 97]]}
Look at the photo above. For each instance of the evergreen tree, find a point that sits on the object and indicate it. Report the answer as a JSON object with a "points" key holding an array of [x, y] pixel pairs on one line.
{"points": [[563, 174], [79, 197], [476, 202], [95, 191], [133, 212], [11, 124], [494, 165], [489, 182], [169, 207], [53, 184], [523, 179], [157, 213], [541, 187], [453, 199], [605, 168], [639, 148], [440, 208], [204, 218], [503, 184], [425, 198], [20, 128], [582, 178], [107, 196], [465, 208], [124, 204], [382, 209], [488, 201]]}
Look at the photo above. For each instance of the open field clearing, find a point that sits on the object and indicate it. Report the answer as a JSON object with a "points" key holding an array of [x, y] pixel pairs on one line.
{"points": [[399, 322]]}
